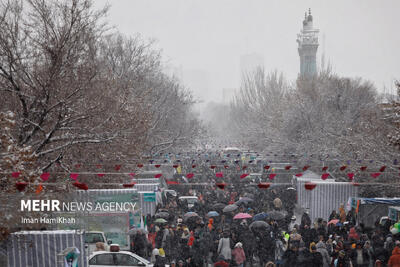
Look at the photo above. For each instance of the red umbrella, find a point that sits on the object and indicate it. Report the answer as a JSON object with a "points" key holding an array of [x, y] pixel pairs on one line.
{"points": [[74, 176], [298, 174], [219, 175], [266, 167], [272, 176], [375, 174], [242, 216], [15, 174], [190, 175], [334, 221], [158, 175], [363, 168], [324, 169], [350, 175]]}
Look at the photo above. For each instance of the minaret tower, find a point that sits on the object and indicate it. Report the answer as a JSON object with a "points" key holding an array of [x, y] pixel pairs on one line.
{"points": [[308, 45]]}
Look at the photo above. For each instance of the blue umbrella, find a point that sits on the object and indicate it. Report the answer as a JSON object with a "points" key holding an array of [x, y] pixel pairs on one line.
{"points": [[213, 214], [260, 216]]}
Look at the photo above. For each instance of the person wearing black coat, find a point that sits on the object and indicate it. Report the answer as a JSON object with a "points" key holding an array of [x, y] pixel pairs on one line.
{"points": [[357, 253], [290, 256], [316, 259]]}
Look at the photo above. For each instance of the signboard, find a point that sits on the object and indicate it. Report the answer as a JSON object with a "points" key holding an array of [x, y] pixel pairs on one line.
{"points": [[149, 197]]}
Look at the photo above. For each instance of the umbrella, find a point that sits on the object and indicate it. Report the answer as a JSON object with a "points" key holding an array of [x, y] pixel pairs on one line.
{"points": [[249, 195], [162, 214], [334, 221], [213, 214], [218, 206], [261, 225], [276, 215], [230, 208], [244, 200], [190, 214], [242, 216], [260, 216], [160, 220]]}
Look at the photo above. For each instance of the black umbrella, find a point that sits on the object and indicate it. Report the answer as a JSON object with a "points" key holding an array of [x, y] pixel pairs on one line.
{"points": [[276, 215], [260, 225], [218, 206], [162, 214], [230, 208], [244, 200]]}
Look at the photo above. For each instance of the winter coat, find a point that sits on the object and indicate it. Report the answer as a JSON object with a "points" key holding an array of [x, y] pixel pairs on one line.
{"points": [[290, 258], [224, 248], [365, 256], [160, 261], [221, 263], [238, 255], [394, 260], [321, 248], [279, 250], [353, 234], [316, 259]]}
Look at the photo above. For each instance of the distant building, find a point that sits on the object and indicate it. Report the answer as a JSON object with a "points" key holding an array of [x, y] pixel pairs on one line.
{"points": [[308, 45], [250, 62]]}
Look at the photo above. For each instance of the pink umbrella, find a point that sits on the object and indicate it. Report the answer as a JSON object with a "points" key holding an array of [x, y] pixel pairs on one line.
{"points": [[334, 221], [242, 216]]}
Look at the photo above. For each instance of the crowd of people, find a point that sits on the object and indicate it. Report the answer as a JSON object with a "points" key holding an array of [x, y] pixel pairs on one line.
{"points": [[199, 240], [209, 233]]}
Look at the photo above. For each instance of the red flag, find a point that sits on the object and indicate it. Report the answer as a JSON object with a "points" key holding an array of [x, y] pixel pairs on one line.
{"points": [[288, 167], [263, 185], [45, 176], [343, 167], [157, 165], [172, 182], [325, 168], [306, 168], [15, 174], [213, 166], [298, 174], [272, 176], [82, 186], [193, 166], [219, 175], [244, 175], [221, 185], [130, 185], [350, 175], [74, 176], [21, 186], [324, 176], [158, 175], [132, 174], [140, 165], [190, 175], [382, 169], [117, 167], [310, 185], [100, 174], [266, 167], [375, 174], [363, 168]]}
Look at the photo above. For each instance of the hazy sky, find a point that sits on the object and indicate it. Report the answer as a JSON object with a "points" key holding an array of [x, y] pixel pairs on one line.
{"points": [[205, 38]]}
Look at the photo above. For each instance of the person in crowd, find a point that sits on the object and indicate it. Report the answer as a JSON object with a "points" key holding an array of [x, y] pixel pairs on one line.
{"points": [[359, 256], [394, 260], [238, 254], [224, 246]]}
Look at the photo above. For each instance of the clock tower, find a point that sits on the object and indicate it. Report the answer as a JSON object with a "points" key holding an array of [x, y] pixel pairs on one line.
{"points": [[307, 40]]}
